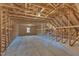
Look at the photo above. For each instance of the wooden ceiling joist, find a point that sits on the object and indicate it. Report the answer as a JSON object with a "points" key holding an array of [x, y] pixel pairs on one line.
{"points": [[31, 16], [76, 26], [13, 7], [53, 11]]}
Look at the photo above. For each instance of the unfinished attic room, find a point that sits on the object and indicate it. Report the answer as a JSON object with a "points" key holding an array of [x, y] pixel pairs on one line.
{"points": [[39, 29]]}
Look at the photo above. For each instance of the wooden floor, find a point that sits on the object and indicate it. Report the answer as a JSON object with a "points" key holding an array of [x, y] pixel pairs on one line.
{"points": [[37, 46]]}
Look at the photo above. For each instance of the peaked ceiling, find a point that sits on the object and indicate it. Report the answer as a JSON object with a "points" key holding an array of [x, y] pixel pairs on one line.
{"points": [[58, 14]]}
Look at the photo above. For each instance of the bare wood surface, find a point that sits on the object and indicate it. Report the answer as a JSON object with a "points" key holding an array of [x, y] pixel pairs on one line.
{"points": [[36, 46]]}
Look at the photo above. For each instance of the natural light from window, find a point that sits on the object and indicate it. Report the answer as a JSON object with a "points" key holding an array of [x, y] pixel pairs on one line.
{"points": [[28, 29]]}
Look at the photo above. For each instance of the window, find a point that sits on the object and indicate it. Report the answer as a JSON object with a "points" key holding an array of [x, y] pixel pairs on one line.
{"points": [[28, 29]]}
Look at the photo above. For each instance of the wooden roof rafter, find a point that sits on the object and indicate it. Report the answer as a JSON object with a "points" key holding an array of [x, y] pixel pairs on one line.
{"points": [[20, 10], [53, 11], [75, 26], [43, 7]]}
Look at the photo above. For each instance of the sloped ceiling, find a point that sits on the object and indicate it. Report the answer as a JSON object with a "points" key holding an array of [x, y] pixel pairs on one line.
{"points": [[58, 14]]}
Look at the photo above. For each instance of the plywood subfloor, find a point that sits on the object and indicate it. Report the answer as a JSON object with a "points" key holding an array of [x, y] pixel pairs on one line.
{"points": [[36, 46]]}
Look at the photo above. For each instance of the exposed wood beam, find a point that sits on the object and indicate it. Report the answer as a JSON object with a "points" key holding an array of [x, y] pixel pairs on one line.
{"points": [[77, 5], [55, 21], [51, 5], [69, 6], [39, 13], [39, 6], [59, 20], [75, 26], [53, 11], [23, 21], [74, 41], [2, 5], [25, 5], [10, 6], [42, 10], [28, 16], [52, 23], [27, 19]]}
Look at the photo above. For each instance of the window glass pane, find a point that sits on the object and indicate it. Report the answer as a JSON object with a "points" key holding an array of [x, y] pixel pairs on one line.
{"points": [[28, 29]]}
